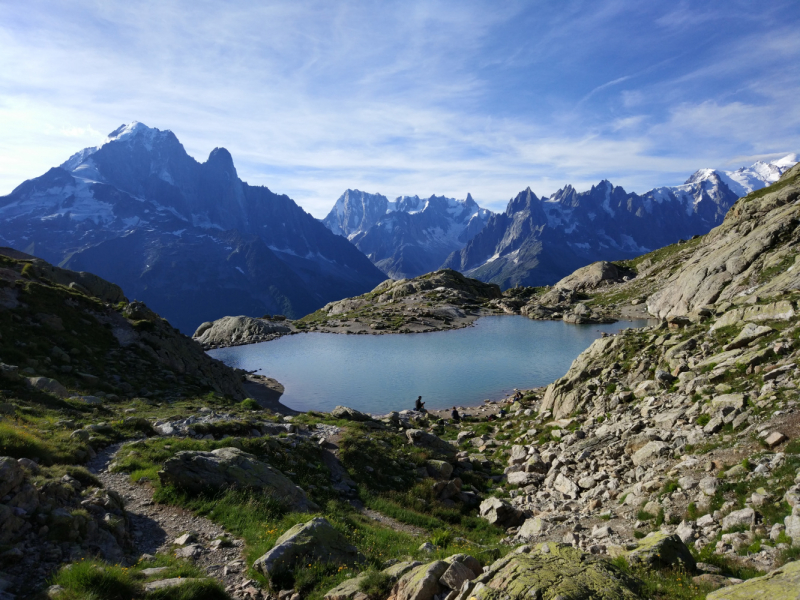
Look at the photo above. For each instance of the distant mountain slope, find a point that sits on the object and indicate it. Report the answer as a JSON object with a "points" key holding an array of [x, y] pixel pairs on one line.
{"points": [[409, 236], [537, 241], [756, 176], [191, 239]]}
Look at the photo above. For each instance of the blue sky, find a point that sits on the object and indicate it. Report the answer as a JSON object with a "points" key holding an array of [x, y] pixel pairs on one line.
{"points": [[409, 97]]}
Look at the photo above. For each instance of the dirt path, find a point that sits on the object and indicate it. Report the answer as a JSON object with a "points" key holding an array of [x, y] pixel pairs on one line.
{"points": [[154, 528]]}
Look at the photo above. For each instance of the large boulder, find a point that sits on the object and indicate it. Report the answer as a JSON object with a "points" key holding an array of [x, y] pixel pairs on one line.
{"points": [[455, 575], [350, 589], [650, 452], [780, 584], [565, 396], [749, 332], [421, 583], [745, 517], [661, 550], [315, 541], [551, 571], [45, 384], [11, 474], [792, 523], [349, 414], [238, 330], [439, 469], [566, 486], [501, 513], [593, 276], [198, 471], [421, 438]]}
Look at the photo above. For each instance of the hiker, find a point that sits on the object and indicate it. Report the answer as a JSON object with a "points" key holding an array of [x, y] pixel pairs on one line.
{"points": [[419, 405], [455, 416], [501, 413]]}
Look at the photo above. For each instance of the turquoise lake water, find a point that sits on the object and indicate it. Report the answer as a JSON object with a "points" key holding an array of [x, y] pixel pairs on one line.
{"points": [[381, 373]]}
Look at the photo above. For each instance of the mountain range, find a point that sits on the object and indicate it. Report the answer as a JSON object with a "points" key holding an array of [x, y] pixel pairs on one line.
{"points": [[409, 236], [537, 241], [197, 243], [191, 239]]}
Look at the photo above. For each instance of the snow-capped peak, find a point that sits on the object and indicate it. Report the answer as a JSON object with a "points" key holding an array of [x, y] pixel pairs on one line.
{"points": [[123, 133], [744, 180], [787, 162], [135, 130]]}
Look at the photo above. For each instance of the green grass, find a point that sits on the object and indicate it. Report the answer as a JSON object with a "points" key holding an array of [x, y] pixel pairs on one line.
{"points": [[730, 567], [97, 580], [666, 584], [22, 438], [250, 404], [375, 584]]}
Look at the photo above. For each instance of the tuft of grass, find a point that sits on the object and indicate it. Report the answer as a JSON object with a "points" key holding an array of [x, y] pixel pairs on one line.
{"points": [[659, 518], [665, 584], [206, 589], [730, 567], [441, 538], [643, 515], [669, 487], [375, 584], [17, 441], [250, 404], [95, 580]]}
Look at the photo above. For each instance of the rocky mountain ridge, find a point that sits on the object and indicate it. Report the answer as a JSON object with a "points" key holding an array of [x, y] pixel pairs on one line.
{"points": [[409, 236], [537, 241], [191, 239]]}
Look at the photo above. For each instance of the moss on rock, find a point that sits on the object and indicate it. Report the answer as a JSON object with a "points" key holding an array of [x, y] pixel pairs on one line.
{"points": [[781, 584], [550, 571]]}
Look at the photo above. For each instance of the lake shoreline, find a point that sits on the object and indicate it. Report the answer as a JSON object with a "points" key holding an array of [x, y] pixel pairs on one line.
{"points": [[468, 320], [472, 368]]}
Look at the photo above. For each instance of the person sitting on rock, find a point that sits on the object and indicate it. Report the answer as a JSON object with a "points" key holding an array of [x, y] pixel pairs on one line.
{"points": [[419, 405], [455, 416], [501, 413]]}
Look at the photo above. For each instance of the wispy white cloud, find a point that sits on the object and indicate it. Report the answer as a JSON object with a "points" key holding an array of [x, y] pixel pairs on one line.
{"points": [[418, 97]]}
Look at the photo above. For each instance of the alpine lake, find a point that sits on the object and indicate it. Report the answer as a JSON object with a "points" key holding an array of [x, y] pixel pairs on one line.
{"points": [[381, 373]]}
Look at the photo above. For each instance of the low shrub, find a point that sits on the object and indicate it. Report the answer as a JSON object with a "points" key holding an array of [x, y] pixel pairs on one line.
{"points": [[250, 404]]}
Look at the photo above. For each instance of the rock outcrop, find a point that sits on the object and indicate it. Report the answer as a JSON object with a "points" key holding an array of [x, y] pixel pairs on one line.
{"points": [[563, 396], [780, 584], [756, 235], [315, 540], [551, 570], [198, 471], [234, 331], [594, 276], [49, 307], [658, 550], [349, 414], [440, 300]]}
